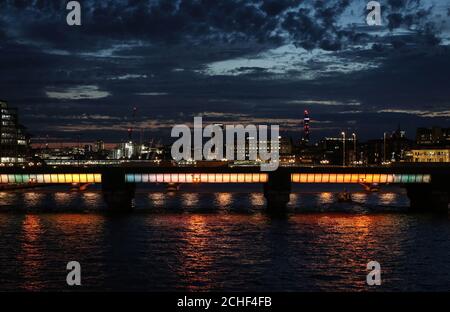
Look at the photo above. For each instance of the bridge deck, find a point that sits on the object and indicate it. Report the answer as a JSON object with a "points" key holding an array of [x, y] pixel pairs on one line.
{"points": [[217, 175]]}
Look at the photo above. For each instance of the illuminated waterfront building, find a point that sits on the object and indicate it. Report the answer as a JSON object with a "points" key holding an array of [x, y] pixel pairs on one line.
{"points": [[14, 141], [434, 155], [127, 150], [330, 150]]}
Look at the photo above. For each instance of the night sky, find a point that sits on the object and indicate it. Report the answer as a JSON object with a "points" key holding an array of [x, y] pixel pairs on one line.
{"points": [[249, 61]]}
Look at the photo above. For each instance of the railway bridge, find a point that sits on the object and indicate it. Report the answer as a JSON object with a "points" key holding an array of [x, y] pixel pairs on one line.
{"points": [[428, 186]]}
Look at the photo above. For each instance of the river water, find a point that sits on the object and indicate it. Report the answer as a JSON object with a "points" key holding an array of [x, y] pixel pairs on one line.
{"points": [[221, 239]]}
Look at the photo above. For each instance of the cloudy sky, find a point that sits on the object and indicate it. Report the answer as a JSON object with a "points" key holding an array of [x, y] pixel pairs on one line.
{"points": [[232, 61]]}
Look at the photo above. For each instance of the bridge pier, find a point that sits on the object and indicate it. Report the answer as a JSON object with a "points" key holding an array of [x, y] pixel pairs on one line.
{"points": [[118, 195], [277, 191], [428, 198]]}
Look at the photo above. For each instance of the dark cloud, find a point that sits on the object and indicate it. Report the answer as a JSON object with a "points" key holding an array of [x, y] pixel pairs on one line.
{"points": [[397, 4], [276, 7], [309, 24], [153, 54]]}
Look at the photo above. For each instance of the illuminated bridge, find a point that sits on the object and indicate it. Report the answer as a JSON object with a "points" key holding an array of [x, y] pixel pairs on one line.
{"points": [[428, 186]]}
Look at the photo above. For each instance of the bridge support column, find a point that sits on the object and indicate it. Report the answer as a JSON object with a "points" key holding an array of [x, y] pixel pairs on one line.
{"points": [[428, 198], [277, 190], [118, 195]]}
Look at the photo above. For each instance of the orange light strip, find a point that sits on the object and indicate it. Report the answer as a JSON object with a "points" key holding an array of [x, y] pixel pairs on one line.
{"points": [[359, 178], [62, 178]]}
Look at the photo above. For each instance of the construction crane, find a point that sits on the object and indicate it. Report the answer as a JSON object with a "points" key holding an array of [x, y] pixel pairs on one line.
{"points": [[133, 121]]}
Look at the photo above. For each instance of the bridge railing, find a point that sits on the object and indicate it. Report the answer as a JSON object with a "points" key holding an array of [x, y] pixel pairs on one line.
{"points": [[196, 177], [359, 178], [59, 178]]}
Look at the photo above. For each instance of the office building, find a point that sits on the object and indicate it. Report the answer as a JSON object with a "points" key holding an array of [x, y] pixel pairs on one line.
{"points": [[431, 155], [14, 140]]}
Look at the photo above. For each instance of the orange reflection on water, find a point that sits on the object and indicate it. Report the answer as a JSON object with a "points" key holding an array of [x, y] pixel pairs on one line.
{"points": [[33, 198], [388, 198], [350, 242], [294, 197], [359, 197], [62, 198], [68, 225], [357, 226], [157, 199], [257, 199], [326, 198], [223, 199], [7, 198], [31, 257], [196, 257], [92, 198], [31, 228], [190, 199]]}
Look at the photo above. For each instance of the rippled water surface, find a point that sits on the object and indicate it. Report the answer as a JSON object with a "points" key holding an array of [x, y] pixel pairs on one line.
{"points": [[199, 240]]}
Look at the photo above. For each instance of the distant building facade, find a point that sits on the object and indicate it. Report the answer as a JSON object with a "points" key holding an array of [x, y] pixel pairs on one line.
{"points": [[432, 145], [394, 147], [431, 155], [331, 151], [435, 136], [14, 145]]}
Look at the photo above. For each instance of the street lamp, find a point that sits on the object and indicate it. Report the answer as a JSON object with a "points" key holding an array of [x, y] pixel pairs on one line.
{"points": [[343, 147], [354, 147], [384, 147]]}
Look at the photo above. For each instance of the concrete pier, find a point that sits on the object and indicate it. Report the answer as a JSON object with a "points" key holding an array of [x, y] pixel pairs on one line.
{"points": [[118, 195], [277, 190]]}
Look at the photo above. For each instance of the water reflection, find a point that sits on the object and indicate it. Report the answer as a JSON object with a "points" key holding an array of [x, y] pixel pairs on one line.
{"points": [[228, 252], [62, 198], [92, 199], [190, 199], [31, 256], [359, 197], [388, 198], [7, 198], [294, 200], [257, 199], [76, 232], [197, 255], [223, 200], [33, 199], [43, 200], [157, 199], [348, 243], [325, 198], [68, 225]]}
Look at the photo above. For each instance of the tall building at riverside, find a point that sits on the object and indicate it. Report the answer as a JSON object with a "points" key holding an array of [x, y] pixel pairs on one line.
{"points": [[14, 145], [432, 145], [306, 127]]}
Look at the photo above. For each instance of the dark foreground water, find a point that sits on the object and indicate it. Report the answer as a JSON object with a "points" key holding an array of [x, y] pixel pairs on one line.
{"points": [[196, 240]]}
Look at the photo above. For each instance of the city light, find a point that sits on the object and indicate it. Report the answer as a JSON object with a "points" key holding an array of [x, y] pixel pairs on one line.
{"points": [[196, 178], [359, 178]]}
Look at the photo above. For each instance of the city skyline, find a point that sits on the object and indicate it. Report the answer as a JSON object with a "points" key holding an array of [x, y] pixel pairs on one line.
{"points": [[226, 154], [265, 63]]}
